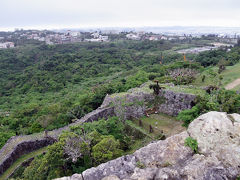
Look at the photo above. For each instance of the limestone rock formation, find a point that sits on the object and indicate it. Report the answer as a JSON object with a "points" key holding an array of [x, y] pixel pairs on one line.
{"points": [[217, 134]]}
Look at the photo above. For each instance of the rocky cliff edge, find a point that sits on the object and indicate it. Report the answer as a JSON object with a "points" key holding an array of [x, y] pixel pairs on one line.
{"points": [[218, 137]]}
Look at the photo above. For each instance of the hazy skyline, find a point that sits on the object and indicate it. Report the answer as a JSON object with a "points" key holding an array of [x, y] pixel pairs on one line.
{"points": [[49, 14]]}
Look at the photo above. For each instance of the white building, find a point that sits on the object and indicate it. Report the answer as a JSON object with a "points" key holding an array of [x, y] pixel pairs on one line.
{"points": [[164, 38], [133, 36], [103, 38], [182, 37], [9, 44], [3, 46], [93, 40], [153, 38], [41, 39], [6, 45], [75, 34], [95, 35]]}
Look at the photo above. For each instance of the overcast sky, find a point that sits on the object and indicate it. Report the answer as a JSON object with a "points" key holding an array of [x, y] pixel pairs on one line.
{"points": [[117, 13]]}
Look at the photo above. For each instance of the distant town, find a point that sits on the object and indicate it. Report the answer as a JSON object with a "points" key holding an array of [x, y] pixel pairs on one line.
{"points": [[18, 37]]}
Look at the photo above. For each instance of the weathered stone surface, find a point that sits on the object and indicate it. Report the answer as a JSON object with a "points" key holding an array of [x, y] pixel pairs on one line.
{"points": [[160, 153], [128, 105], [112, 177], [76, 177], [144, 174], [121, 167], [134, 103], [170, 159], [196, 166], [176, 102], [167, 173], [235, 116], [218, 135]]}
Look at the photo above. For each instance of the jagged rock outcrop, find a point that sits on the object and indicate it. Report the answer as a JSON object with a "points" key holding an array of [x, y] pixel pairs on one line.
{"points": [[219, 155]]}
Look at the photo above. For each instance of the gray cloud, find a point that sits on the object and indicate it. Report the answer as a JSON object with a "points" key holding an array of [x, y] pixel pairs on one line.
{"points": [[77, 13]]}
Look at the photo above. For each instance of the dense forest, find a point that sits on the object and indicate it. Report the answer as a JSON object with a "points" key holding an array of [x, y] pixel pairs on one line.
{"points": [[47, 87]]}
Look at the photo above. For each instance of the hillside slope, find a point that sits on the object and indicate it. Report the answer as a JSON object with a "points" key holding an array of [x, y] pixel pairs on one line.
{"points": [[216, 158], [229, 76]]}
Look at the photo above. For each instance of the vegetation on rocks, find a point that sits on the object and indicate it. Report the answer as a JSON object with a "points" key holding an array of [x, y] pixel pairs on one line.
{"points": [[192, 143]]}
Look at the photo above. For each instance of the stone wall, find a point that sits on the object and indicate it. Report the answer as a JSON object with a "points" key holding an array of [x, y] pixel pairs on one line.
{"points": [[132, 104], [176, 102], [23, 148], [135, 104]]}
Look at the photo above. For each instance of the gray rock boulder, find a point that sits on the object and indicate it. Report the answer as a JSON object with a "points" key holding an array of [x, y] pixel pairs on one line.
{"points": [[112, 177], [73, 177], [121, 167], [162, 153], [218, 134]]}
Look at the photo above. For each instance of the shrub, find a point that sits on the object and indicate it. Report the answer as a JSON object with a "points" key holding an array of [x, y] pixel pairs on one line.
{"points": [[188, 115], [140, 165], [152, 76], [136, 80], [4, 136], [107, 149], [192, 143], [182, 75], [165, 79], [220, 100]]}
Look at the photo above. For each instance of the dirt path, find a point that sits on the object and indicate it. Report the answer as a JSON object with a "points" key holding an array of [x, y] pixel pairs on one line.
{"points": [[233, 84]]}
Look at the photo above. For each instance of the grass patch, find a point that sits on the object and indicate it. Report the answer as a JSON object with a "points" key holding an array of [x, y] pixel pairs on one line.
{"points": [[142, 130], [229, 75], [160, 123]]}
